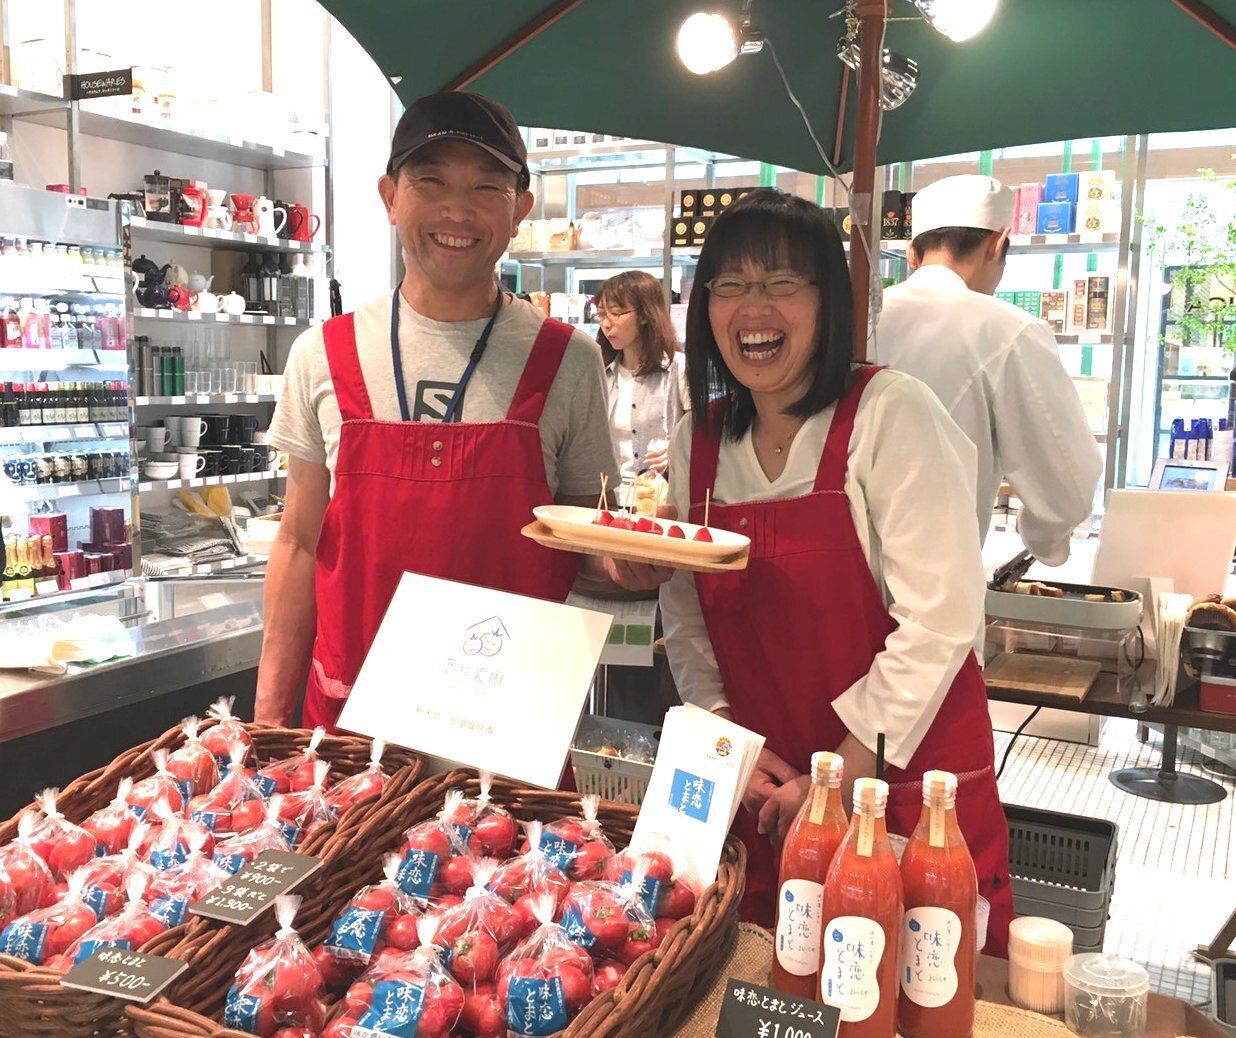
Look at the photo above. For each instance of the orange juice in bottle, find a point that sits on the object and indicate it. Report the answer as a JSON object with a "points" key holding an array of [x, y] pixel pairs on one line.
{"points": [[860, 942], [938, 944], [809, 848]]}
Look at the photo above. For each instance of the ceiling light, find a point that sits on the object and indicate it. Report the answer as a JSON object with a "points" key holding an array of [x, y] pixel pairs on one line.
{"points": [[708, 41], [898, 74], [957, 19]]}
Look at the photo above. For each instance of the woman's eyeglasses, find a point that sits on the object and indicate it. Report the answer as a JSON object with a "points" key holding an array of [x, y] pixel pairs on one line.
{"points": [[603, 315], [778, 286]]}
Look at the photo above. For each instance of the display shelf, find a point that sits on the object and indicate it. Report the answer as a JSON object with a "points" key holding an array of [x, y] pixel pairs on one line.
{"points": [[194, 316], [64, 432], [57, 360], [204, 398], [94, 285], [235, 152], [221, 565], [15, 102], [86, 589], [210, 481], [1197, 378], [176, 234], [1084, 338], [600, 257], [1024, 244], [84, 488]]}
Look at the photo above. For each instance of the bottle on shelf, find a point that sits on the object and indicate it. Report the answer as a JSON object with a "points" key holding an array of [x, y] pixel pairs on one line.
{"points": [[49, 569], [9, 417], [251, 282], [24, 579], [808, 851], [11, 327], [9, 580], [23, 414], [938, 944], [860, 940]]}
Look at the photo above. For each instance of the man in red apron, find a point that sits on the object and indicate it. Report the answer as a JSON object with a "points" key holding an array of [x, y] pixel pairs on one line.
{"points": [[387, 473], [798, 627]]}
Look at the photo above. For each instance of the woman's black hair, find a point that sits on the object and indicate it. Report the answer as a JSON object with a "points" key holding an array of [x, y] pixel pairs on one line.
{"points": [[775, 231]]}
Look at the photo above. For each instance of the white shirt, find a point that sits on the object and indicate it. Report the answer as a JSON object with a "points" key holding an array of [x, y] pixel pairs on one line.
{"points": [[621, 401], [910, 485], [996, 370]]}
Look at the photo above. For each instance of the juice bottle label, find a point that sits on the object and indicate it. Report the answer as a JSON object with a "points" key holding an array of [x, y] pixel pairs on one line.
{"points": [[930, 938], [800, 905], [849, 976]]}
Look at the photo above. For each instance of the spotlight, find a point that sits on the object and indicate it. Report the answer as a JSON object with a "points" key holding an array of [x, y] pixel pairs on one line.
{"points": [[708, 41], [898, 74], [957, 19]]}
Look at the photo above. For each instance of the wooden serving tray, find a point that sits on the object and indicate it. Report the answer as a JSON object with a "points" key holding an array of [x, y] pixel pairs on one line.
{"points": [[663, 554]]}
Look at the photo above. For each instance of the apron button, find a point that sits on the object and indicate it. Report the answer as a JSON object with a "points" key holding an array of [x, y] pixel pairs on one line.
{"points": [[437, 445], [436, 462], [742, 524]]}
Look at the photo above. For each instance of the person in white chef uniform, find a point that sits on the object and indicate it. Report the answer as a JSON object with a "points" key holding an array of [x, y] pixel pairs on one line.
{"points": [[994, 367]]}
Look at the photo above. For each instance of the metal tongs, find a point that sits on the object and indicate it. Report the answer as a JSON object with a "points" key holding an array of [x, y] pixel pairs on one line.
{"points": [[1012, 571]]}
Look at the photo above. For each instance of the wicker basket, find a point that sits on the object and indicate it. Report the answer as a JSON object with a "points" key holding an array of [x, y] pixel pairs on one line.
{"points": [[653, 997], [32, 1002]]}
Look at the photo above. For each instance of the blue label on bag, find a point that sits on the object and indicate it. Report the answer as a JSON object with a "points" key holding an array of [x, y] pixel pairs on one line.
{"points": [[169, 857], [241, 1012], [536, 1007], [417, 872], [88, 948], [186, 789], [265, 785], [559, 851], [576, 929], [231, 863], [691, 795], [394, 1010], [650, 893], [355, 933], [138, 810], [24, 941], [170, 911], [210, 819], [291, 832], [96, 899], [464, 833]]}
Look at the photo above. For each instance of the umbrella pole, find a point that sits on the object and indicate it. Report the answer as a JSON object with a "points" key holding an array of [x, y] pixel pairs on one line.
{"points": [[871, 15]]}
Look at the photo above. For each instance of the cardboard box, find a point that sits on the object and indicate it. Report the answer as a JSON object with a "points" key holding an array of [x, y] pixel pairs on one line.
{"points": [[890, 216], [700, 226], [1055, 218], [1098, 185], [1026, 214], [1053, 308], [907, 214], [1098, 303], [688, 201], [1061, 187], [1077, 307], [1098, 217]]}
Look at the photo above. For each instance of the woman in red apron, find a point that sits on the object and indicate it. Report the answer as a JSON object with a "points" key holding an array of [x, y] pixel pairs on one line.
{"points": [[446, 500], [806, 619]]}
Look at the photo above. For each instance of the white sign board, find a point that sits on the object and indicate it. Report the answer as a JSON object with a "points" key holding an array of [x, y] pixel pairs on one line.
{"points": [[480, 677]]}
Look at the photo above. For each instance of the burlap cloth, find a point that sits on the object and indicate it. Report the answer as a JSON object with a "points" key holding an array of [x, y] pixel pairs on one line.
{"points": [[751, 960]]}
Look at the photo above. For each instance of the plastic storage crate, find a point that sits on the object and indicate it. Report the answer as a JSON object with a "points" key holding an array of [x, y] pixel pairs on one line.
{"points": [[1223, 994], [1064, 868], [610, 777]]}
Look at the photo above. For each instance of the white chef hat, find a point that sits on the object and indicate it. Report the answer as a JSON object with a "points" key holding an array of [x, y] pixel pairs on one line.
{"points": [[963, 201]]}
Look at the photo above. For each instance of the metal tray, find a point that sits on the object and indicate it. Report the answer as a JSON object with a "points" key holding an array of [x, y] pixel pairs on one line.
{"points": [[1071, 611]]}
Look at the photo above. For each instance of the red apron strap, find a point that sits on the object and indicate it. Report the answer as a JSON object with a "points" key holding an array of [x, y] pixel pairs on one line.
{"points": [[831, 473], [705, 452], [345, 369], [540, 371]]}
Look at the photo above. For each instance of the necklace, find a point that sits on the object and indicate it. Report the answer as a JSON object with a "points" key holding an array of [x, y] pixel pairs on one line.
{"points": [[777, 448]]}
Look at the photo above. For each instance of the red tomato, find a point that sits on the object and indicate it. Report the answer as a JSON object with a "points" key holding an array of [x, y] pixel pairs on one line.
{"points": [[606, 975], [358, 998], [111, 829], [702, 534], [429, 837], [576, 985], [493, 835], [482, 1015], [589, 861], [474, 957], [63, 846], [639, 941], [663, 927], [660, 867], [335, 972], [569, 830], [615, 867], [456, 874], [304, 774], [280, 778], [376, 899], [341, 1028], [220, 738], [401, 932], [33, 883], [676, 531], [677, 901], [194, 764], [354, 790], [75, 920], [157, 789], [445, 901], [528, 922], [248, 815]]}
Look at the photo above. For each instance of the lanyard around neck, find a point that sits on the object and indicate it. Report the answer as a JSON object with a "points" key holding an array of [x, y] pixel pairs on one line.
{"points": [[454, 407]]}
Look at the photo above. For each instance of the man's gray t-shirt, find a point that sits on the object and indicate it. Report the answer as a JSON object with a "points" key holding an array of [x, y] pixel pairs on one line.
{"points": [[574, 426]]}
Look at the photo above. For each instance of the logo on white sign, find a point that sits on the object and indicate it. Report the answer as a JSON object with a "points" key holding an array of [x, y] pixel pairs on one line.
{"points": [[485, 638]]}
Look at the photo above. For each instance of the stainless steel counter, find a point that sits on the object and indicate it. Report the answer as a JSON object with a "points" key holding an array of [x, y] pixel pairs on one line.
{"points": [[184, 633]]}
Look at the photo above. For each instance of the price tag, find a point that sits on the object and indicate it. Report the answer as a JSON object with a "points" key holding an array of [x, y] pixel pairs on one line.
{"points": [[179, 399], [70, 490], [254, 888], [85, 432], [190, 229], [97, 579], [79, 584], [46, 587], [165, 314], [752, 1011], [223, 317], [250, 238], [230, 398], [1090, 338], [1056, 239], [125, 974], [1091, 237], [229, 479], [116, 576], [198, 481], [1019, 239], [193, 315], [20, 594]]}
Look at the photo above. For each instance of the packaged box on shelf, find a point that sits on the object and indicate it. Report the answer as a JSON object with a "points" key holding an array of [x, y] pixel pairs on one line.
{"points": [[1098, 217], [1025, 216], [907, 214], [680, 233], [1077, 307], [700, 227], [1053, 308], [1055, 218], [688, 201], [1098, 303], [709, 203], [1099, 185], [542, 138], [890, 216], [1061, 187]]}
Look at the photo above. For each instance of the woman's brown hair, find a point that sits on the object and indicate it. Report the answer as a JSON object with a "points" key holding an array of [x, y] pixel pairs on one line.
{"points": [[641, 292]]}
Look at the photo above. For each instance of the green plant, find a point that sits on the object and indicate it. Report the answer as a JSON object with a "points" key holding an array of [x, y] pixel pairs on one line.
{"points": [[1202, 248]]}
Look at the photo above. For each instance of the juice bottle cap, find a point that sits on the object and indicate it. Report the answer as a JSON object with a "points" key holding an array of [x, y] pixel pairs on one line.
{"points": [[870, 794], [939, 785], [827, 768], [1038, 943]]}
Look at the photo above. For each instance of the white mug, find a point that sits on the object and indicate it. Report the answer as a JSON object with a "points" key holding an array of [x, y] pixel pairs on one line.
{"points": [[192, 429], [172, 425], [155, 437], [191, 464]]}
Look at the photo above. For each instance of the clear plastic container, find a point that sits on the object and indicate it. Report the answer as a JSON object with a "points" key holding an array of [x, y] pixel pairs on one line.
{"points": [[1105, 996], [1038, 950]]}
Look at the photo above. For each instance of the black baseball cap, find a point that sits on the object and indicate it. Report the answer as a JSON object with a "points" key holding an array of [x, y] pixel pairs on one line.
{"points": [[458, 115]]}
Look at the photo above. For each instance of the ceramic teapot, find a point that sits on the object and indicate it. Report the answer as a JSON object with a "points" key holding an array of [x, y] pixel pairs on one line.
{"points": [[269, 221], [152, 291], [233, 303], [207, 302], [200, 282], [179, 297]]}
